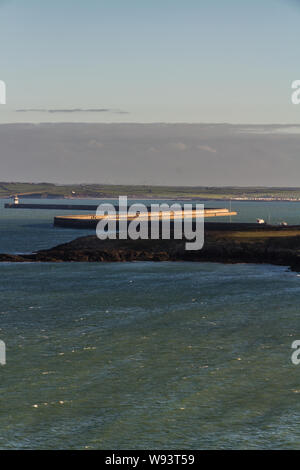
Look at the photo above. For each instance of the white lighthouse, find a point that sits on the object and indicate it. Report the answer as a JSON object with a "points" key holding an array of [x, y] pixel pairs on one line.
{"points": [[16, 200]]}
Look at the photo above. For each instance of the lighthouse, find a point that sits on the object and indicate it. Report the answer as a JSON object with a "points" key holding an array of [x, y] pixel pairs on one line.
{"points": [[16, 200]]}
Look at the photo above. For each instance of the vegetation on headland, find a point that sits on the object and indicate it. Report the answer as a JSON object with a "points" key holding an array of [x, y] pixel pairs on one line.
{"points": [[50, 190]]}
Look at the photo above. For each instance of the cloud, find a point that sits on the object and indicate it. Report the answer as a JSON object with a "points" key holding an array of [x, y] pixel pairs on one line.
{"points": [[153, 149], [72, 110], [272, 129], [145, 154], [206, 148], [95, 144], [179, 146]]}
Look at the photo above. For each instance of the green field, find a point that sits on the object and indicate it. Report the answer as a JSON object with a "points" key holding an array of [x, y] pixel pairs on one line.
{"points": [[46, 190]]}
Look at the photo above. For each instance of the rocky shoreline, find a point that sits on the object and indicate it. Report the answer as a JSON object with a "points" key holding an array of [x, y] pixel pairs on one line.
{"points": [[272, 246]]}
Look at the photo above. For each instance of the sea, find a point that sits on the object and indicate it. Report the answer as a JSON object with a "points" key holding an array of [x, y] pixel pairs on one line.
{"points": [[146, 355]]}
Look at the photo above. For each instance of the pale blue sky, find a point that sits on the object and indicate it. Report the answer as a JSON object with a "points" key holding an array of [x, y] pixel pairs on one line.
{"points": [[150, 60]]}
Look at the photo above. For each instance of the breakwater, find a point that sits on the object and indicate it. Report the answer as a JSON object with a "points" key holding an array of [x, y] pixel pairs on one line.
{"points": [[91, 221], [69, 207]]}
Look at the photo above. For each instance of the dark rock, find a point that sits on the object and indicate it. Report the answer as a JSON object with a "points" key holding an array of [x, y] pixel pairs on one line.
{"points": [[227, 246]]}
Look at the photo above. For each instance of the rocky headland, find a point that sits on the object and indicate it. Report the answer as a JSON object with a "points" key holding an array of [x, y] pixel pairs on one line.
{"points": [[233, 244]]}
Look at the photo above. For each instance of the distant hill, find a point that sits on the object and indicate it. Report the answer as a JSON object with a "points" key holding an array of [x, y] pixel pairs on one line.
{"points": [[50, 190]]}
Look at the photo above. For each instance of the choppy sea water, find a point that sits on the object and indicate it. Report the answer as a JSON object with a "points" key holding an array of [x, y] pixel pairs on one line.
{"points": [[146, 355]]}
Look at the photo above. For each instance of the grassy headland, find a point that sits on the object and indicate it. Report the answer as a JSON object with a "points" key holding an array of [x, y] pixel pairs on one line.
{"points": [[49, 190]]}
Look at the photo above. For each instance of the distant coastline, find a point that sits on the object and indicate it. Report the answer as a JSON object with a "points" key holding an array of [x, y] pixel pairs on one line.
{"points": [[162, 198], [182, 193]]}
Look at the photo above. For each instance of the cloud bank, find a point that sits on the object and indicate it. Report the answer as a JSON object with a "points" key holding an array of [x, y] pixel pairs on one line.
{"points": [[72, 110], [162, 154]]}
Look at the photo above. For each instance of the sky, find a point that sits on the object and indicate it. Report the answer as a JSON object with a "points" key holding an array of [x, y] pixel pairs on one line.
{"points": [[138, 91], [150, 61]]}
